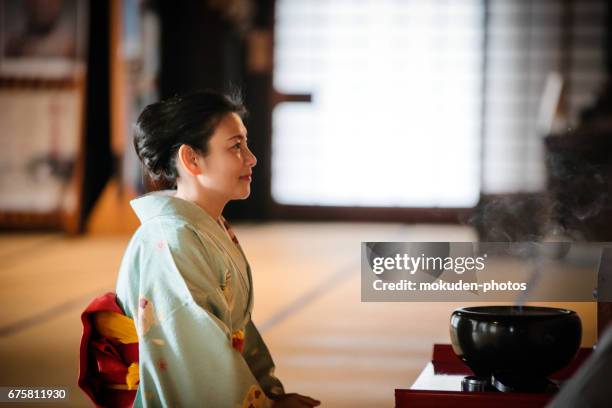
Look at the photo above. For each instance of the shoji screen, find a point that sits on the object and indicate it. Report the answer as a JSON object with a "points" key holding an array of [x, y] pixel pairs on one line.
{"points": [[526, 40], [395, 118]]}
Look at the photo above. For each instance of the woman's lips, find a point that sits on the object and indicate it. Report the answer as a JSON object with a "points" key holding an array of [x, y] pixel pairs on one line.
{"points": [[246, 178]]}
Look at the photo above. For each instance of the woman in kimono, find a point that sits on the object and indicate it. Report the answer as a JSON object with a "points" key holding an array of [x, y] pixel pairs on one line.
{"points": [[184, 278]]}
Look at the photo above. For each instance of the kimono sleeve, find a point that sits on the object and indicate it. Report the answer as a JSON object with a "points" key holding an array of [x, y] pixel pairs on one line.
{"points": [[187, 360], [260, 361]]}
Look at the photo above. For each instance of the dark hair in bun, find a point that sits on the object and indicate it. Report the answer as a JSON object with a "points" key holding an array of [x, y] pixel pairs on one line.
{"points": [[164, 126]]}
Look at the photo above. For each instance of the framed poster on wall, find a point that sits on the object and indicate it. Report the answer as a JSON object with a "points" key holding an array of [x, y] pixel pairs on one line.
{"points": [[40, 167]]}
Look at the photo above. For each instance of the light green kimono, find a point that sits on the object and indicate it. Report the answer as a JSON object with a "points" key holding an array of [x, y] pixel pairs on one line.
{"points": [[188, 287]]}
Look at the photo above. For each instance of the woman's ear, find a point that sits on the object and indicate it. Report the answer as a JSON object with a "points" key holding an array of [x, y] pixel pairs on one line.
{"points": [[188, 159]]}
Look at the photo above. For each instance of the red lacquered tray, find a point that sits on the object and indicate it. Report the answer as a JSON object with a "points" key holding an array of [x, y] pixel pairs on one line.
{"points": [[439, 385]]}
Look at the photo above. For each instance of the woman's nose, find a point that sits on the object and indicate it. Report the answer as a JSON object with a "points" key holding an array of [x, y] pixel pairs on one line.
{"points": [[251, 160]]}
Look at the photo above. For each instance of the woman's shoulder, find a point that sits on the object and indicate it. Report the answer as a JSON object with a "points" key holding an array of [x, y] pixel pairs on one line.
{"points": [[169, 256], [169, 227], [177, 240], [178, 234]]}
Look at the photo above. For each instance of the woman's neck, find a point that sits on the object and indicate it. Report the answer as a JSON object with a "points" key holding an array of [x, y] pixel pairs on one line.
{"points": [[207, 200]]}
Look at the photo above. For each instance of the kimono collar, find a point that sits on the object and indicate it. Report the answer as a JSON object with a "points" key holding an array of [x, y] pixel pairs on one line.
{"points": [[164, 203]]}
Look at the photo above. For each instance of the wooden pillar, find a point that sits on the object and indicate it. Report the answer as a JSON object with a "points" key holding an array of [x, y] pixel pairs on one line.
{"points": [[604, 292]]}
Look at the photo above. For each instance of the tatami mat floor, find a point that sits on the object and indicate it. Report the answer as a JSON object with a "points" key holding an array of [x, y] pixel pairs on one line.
{"points": [[325, 341]]}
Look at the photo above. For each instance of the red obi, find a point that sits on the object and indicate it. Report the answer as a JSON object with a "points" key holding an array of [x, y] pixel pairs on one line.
{"points": [[108, 370]]}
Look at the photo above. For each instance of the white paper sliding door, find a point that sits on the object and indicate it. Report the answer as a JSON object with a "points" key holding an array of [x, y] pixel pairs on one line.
{"points": [[395, 117]]}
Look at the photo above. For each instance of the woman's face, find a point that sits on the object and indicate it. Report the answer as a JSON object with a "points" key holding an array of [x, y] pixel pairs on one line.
{"points": [[226, 169]]}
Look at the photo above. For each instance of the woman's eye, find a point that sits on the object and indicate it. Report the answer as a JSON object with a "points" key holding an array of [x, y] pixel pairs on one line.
{"points": [[237, 146]]}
